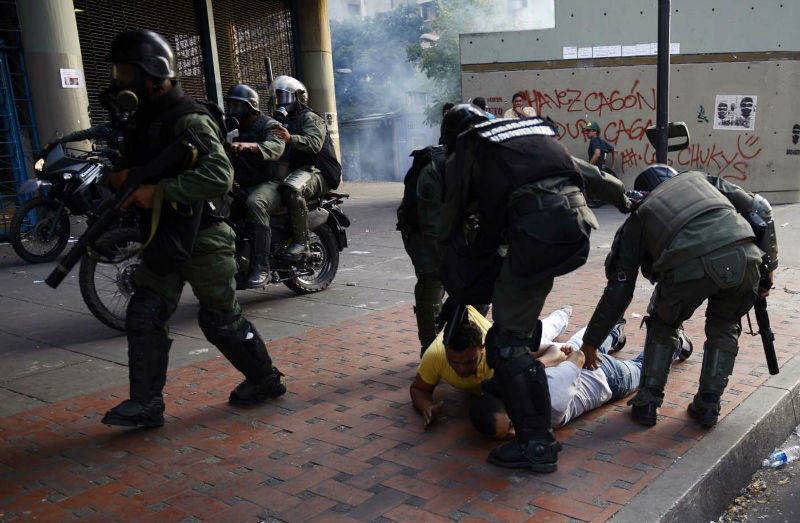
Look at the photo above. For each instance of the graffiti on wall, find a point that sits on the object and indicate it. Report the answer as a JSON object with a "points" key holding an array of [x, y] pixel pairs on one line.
{"points": [[619, 111]]}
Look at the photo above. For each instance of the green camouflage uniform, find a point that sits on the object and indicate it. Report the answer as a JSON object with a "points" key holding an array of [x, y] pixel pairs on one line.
{"points": [[517, 303], [712, 257], [264, 199], [307, 180], [422, 247], [212, 267]]}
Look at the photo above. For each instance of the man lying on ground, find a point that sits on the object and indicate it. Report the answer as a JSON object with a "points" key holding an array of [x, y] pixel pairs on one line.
{"points": [[573, 389]]}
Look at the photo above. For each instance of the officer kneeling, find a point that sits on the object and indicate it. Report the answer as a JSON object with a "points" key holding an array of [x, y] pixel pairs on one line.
{"points": [[191, 241], [691, 237]]}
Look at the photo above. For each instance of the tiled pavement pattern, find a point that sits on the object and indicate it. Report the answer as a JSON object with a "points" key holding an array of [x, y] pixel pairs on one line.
{"points": [[344, 444]]}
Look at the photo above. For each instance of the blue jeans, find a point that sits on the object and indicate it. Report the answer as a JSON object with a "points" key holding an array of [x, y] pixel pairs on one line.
{"points": [[623, 375]]}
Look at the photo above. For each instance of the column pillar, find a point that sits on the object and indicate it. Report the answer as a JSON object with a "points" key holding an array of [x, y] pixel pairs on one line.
{"points": [[316, 61], [50, 41]]}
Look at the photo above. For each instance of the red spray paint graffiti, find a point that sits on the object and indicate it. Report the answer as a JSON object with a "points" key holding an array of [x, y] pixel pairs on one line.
{"points": [[620, 130]]}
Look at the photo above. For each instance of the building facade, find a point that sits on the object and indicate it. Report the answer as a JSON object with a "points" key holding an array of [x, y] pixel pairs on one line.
{"points": [[54, 60], [732, 81]]}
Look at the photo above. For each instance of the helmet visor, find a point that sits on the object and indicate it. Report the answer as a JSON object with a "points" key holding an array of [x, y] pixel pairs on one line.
{"points": [[283, 97], [123, 74]]}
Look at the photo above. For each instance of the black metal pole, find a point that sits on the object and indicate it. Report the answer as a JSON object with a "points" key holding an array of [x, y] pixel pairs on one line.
{"points": [[662, 82], [268, 70], [208, 44]]}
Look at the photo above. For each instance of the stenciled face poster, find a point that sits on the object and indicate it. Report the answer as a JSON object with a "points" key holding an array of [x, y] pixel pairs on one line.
{"points": [[735, 112]]}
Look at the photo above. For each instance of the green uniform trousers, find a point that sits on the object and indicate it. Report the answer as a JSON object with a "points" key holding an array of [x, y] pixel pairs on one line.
{"points": [[517, 303], [210, 271], [263, 201], [307, 181], [674, 302], [428, 291]]}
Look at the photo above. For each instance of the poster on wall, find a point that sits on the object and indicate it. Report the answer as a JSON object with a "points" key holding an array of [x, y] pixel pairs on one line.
{"points": [[735, 112], [71, 79]]}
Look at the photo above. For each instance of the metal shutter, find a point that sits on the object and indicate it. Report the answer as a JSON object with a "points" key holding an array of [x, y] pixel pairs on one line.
{"points": [[248, 31], [99, 21]]}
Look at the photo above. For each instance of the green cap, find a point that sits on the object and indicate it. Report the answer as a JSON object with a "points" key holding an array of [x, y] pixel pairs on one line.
{"points": [[592, 126]]}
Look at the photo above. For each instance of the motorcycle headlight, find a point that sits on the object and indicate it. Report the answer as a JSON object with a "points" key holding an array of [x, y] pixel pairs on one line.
{"points": [[39, 165], [66, 176]]}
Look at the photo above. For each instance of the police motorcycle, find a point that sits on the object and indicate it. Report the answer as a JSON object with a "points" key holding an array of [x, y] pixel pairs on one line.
{"points": [[67, 182], [106, 276]]}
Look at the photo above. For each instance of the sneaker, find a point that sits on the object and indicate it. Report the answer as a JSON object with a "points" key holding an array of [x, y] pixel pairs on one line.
{"points": [[685, 347], [622, 338]]}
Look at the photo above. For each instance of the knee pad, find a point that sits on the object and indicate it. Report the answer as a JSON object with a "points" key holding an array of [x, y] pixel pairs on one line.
{"points": [[503, 345], [428, 290], [718, 363], [147, 312], [522, 383], [238, 340], [659, 347]]}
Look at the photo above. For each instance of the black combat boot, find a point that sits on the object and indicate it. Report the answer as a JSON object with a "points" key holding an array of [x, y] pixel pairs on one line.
{"points": [[705, 409], [521, 382], [298, 250], [252, 393], [259, 265], [537, 455], [645, 405], [147, 360], [131, 413], [239, 341]]}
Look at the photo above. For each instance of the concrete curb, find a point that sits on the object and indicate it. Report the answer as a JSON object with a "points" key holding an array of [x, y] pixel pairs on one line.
{"points": [[699, 486]]}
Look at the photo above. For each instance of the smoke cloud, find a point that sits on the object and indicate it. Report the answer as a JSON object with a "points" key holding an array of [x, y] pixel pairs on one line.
{"points": [[387, 106]]}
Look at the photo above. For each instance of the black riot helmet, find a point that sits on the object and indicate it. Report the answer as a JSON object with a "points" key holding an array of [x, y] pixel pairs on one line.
{"points": [[654, 175], [136, 55], [146, 49], [243, 102], [457, 120]]}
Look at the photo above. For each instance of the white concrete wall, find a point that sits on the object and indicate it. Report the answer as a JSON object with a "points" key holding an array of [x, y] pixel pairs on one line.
{"points": [[622, 100]]}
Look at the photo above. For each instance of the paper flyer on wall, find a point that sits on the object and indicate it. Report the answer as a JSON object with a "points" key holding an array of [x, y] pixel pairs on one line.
{"points": [[735, 112]]}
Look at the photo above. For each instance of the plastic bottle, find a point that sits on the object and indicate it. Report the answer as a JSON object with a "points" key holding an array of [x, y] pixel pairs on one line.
{"points": [[780, 458]]}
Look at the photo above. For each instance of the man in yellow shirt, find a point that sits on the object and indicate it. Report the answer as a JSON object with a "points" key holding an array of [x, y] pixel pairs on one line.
{"points": [[573, 389], [463, 365]]}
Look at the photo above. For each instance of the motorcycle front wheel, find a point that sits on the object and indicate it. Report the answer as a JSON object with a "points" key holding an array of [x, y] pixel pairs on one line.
{"points": [[322, 265], [106, 277], [38, 233]]}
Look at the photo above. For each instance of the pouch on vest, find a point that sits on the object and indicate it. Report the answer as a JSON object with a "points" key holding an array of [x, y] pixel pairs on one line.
{"points": [[548, 241], [726, 269]]}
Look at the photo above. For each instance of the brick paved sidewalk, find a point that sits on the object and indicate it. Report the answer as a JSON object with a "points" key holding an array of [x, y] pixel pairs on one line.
{"points": [[345, 444]]}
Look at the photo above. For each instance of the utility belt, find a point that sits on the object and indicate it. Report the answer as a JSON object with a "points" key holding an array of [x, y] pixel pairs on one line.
{"points": [[547, 237]]}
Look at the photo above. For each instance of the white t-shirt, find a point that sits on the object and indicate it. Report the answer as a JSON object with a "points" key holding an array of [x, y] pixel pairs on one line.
{"points": [[574, 391]]}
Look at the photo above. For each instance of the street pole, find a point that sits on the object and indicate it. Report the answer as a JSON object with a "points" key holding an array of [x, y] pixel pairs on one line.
{"points": [[662, 82]]}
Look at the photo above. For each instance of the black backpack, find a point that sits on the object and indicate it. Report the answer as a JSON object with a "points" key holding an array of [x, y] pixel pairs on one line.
{"points": [[407, 221]]}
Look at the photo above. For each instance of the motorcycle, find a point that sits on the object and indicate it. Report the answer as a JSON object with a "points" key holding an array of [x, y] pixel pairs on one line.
{"points": [[67, 183], [106, 274]]}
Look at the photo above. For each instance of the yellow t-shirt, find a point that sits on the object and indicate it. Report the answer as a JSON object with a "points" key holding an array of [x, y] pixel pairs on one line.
{"points": [[434, 366]]}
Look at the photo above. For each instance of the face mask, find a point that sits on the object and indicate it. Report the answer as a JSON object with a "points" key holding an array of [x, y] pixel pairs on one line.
{"points": [[281, 114], [120, 104]]}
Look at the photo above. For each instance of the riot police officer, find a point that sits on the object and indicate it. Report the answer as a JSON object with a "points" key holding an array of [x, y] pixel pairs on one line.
{"points": [[514, 218], [254, 153], [418, 219], [313, 167], [691, 238], [191, 242]]}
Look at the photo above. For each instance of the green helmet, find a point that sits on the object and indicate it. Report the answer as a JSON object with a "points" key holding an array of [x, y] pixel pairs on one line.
{"points": [[592, 126]]}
